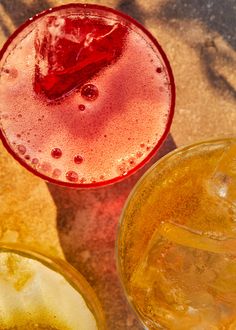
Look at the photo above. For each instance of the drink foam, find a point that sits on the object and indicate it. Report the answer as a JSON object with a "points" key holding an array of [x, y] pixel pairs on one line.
{"points": [[34, 296]]}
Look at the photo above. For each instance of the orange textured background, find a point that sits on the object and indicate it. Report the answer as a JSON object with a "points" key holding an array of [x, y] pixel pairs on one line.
{"points": [[199, 38]]}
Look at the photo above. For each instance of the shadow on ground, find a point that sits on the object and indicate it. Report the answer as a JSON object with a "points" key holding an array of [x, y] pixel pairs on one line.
{"points": [[87, 224]]}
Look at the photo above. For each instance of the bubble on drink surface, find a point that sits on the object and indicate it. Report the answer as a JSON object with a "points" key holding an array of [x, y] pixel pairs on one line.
{"points": [[81, 107], [142, 145], [27, 157], [45, 167], [72, 176], [159, 70], [132, 161], [89, 92], [56, 173], [56, 153], [139, 154], [34, 161], [82, 180], [21, 148], [78, 159], [12, 73], [123, 167]]}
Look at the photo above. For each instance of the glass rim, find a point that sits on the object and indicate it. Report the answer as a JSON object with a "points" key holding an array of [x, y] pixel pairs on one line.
{"points": [[69, 273], [169, 75], [130, 197]]}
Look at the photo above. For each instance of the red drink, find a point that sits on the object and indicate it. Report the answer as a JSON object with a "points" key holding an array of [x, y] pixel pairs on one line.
{"points": [[87, 95]]}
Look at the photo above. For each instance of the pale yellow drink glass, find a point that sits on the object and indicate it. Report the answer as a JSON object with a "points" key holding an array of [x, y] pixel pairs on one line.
{"points": [[38, 292], [177, 240]]}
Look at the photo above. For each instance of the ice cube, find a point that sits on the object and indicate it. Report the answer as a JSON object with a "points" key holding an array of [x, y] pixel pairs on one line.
{"points": [[153, 262], [177, 274], [151, 272], [196, 239], [177, 257], [222, 183], [225, 281], [71, 51]]}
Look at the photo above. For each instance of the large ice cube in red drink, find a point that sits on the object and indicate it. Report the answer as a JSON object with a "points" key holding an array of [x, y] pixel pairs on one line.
{"points": [[70, 51]]}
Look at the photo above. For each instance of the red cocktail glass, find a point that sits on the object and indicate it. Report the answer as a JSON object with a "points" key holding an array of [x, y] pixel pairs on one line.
{"points": [[87, 95]]}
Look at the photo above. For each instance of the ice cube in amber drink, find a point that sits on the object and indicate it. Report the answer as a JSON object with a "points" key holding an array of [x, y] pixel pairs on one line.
{"points": [[87, 95], [177, 240]]}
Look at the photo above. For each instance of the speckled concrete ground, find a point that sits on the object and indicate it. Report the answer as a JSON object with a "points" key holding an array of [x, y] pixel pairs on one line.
{"points": [[199, 38]]}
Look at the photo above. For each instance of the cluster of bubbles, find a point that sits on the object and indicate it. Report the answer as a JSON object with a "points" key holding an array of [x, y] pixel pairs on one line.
{"points": [[90, 93], [124, 166], [128, 163], [46, 167]]}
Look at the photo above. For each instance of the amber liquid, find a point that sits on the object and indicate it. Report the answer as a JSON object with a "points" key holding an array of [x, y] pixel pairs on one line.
{"points": [[32, 327], [178, 244]]}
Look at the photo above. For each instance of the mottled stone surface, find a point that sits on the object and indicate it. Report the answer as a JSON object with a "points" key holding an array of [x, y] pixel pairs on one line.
{"points": [[27, 212], [199, 37]]}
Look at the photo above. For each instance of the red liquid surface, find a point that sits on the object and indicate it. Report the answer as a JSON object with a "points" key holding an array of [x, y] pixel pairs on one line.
{"points": [[74, 50], [87, 96]]}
